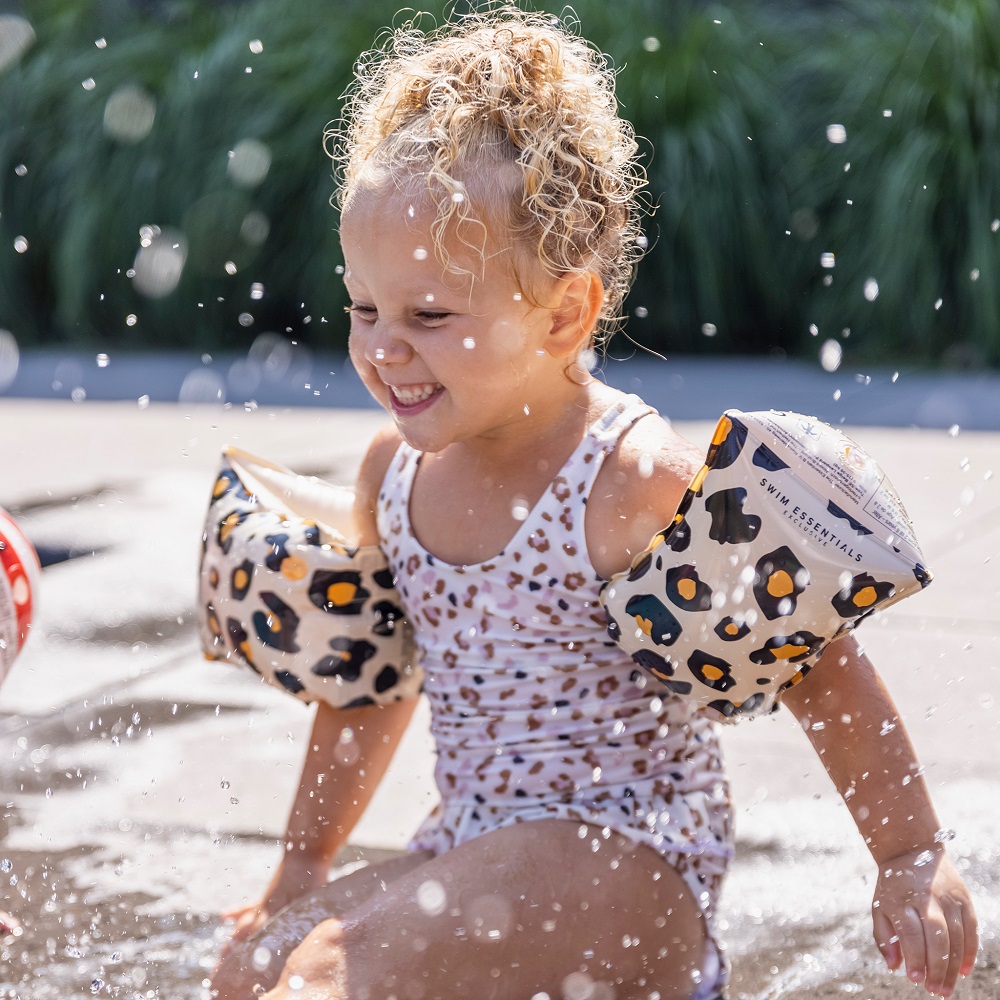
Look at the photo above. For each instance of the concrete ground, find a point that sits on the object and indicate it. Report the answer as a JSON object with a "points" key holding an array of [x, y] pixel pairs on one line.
{"points": [[116, 734]]}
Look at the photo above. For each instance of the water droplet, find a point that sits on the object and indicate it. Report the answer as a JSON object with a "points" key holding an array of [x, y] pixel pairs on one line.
{"points": [[431, 897], [640, 312], [79, 394], [519, 509], [256, 46], [995, 226], [101, 43], [923, 858], [224, 783], [96, 986], [651, 44], [129, 114], [255, 229], [160, 261], [836, 134], [458, 197], [974, 274], [231, 268], [420, 253], [830, 355], [6, 865], [827, 260], [89, 84], [10, 358], [642, 242], [296, 983], [249, 163], [261, 958], [871, 289], [16, 37], [578, 986], [20, 244], [143, 402], [709, 329], [938, 303], [21, 170], [246, 319], [943, 835], [256, 291], [953, 431], [887, 727]]}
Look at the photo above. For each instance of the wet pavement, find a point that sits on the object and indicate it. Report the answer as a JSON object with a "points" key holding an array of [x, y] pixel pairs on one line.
{"points": [[146, 789]]}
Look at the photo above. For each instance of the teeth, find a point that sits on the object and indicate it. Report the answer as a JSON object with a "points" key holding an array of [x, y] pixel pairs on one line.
{"points": [[408, 395]]}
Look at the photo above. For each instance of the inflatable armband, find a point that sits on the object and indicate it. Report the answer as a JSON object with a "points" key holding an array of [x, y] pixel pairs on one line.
{"points": [[788, 537], [283, 591]]}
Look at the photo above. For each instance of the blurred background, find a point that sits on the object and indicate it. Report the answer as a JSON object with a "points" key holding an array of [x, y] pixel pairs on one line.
{"points": [[825, 174]]}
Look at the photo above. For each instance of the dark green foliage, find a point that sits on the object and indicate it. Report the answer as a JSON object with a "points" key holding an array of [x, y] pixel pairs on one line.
{"points": [[731, 101], [918, 91]]}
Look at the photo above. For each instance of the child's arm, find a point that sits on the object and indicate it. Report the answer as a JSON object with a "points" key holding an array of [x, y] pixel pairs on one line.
{"points": [[922, 913], [339, 778]]}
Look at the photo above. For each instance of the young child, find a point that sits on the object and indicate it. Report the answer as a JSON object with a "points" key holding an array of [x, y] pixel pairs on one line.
{"points": [[489, 229]]}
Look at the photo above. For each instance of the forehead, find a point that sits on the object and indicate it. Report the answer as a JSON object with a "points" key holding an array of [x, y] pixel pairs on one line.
{"points": [[403, 218]]}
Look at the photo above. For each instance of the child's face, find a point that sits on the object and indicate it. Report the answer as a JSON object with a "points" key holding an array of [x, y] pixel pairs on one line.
{"points": [[450, 356]]}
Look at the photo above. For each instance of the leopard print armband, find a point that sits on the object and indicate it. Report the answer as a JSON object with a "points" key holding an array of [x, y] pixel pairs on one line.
{"points": [[282, 591], [788, 537]]}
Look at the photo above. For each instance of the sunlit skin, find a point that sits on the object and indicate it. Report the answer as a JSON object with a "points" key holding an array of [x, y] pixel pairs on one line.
{"points": [[480, 413], [495, 421], [470, 365]]}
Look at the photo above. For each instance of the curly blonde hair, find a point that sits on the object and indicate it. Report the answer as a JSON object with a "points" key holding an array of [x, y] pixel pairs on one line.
{"points": [[522, 109]]}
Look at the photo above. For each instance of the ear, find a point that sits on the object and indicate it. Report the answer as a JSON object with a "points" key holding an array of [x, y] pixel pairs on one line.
{"points": [[577, 301]]}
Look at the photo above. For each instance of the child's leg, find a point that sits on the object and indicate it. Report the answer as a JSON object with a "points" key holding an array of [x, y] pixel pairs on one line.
{"points": [[258, 960], [532, 908]]}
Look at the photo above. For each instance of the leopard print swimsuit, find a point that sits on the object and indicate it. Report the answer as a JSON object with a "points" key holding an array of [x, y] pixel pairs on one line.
{"points": [[535, 712]]}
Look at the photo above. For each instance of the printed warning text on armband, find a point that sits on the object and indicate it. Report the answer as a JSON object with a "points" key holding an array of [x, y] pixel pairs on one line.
{"points": [[886, 508]]}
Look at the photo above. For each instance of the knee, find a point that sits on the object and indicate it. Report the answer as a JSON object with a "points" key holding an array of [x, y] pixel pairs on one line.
{"points": [[319, 960]]}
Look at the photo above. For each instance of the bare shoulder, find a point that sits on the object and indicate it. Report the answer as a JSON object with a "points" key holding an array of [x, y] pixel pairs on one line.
{"points": [[638, 491], [372, 472]]}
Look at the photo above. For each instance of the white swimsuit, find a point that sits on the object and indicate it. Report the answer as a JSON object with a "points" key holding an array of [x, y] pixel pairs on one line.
{"points": [[535, 712]]}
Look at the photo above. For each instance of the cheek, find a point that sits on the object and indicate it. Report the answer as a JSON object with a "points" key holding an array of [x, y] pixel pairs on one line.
{"points": [[356, 350], [364, 368]]}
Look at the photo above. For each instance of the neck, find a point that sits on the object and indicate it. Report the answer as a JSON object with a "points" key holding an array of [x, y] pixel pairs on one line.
{"points": [[538, 425]]}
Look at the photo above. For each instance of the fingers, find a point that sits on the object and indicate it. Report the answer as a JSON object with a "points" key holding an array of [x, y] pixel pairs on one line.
{"points": [[886, 939], [937, 948], [970, 931], [913, 945], [941, 952]]}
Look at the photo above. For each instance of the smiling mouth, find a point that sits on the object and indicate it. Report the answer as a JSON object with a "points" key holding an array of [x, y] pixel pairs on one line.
{"points": [[406, 396]]}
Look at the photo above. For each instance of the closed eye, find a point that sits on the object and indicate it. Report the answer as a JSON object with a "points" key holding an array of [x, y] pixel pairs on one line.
{"points": [[367, 313]]}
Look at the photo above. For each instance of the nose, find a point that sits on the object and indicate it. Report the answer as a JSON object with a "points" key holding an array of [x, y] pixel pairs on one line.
{"points": [[384, 346]]}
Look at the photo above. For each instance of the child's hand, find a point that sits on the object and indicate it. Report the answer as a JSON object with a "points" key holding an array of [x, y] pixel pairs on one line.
{"points": [[922, 915], [291, 880]]}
